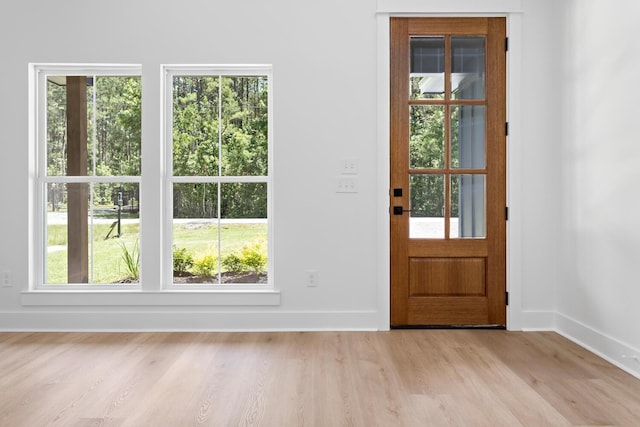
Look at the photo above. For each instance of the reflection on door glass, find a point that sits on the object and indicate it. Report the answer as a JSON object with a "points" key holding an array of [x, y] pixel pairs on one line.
{"points": [[427, 68], [427, 207], [468, 67], [468, 136], [468, 217], [426, 136]]}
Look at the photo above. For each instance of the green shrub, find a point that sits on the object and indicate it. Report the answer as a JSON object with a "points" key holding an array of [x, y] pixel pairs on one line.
{"points": [[254, 258], [206, 265], [232, 263], [182, 260]]}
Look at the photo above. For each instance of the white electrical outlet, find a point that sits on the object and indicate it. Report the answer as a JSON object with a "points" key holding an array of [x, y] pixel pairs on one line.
{"points": [[349, 166], [6, 279], [631, 356], [312, 278], [346, 184]]}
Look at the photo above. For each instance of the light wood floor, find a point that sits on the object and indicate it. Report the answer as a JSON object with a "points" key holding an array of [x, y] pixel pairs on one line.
{"points": [[397, 378]]}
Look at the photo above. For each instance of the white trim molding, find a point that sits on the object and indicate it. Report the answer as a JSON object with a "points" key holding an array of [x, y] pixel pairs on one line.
{"points": [[154, 288], [137, 319], [609, 348], [168, 298], [450, 7]]}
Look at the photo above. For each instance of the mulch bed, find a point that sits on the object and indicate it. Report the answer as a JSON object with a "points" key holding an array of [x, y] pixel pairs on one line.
{"points": [[227, 277]]}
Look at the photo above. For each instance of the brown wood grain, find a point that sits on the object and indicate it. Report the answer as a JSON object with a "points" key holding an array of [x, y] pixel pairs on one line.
{"points": [[447, 277], [396, 378], [399, 159], [410, 304], [77, 193]]}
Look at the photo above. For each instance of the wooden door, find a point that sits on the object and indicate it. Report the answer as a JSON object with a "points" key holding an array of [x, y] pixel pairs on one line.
{"points": [[448, 171]]}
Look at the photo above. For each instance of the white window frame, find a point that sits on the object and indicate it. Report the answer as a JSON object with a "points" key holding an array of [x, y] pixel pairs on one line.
{"points": [[39, 73], [168, 72], [145, 293]]}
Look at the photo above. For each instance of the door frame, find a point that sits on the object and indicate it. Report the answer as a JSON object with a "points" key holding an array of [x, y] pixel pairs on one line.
{"points": [[514, 152]]}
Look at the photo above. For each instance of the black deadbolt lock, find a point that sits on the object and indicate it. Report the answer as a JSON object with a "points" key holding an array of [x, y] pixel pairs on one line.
{"points": [[397, 192]]}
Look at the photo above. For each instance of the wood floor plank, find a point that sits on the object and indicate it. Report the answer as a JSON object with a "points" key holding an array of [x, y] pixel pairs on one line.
{"points": [[393, 378]]}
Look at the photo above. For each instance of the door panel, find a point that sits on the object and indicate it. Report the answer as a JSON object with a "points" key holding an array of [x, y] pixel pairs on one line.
{"points": [[447, 276], [448, 154]]}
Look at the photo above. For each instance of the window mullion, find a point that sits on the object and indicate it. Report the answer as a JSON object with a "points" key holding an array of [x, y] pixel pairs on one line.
{"points": [[151, 188], [219, 195]]}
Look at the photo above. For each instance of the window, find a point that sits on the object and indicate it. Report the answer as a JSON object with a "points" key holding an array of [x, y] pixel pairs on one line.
{"points": [[87, 175], [88, 138], [218, 148]]}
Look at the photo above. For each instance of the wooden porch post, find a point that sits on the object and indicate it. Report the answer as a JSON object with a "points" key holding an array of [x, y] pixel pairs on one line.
{"points": [[77, 194]]}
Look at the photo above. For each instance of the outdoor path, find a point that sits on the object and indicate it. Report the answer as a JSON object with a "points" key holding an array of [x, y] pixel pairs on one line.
{"points": [[60, 218]]}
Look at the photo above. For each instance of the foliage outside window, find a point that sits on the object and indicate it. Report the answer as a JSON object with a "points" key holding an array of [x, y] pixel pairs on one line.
{"points": [[219, 145], [88, 186]]}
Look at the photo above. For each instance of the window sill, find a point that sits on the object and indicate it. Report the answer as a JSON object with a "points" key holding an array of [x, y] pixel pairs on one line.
{"points": [[226, 297]]}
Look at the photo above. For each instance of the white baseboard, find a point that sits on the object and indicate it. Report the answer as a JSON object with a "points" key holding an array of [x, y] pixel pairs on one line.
{"points": [[538, 320], [609, 348], [192, 320]]}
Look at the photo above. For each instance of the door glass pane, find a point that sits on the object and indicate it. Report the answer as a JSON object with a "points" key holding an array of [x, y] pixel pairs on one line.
{"points": [[468, 196], [427, 68], [468, 67], [468, 136], [426, 133], [427, 207]]}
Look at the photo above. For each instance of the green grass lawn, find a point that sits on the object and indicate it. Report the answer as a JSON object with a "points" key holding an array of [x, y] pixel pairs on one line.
{"points": [[106, 260]]}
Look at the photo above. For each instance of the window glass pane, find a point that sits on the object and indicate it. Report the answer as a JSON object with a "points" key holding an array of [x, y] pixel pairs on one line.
{"points": [[107, 120], [195, 125], [244, 126], [115, 143], [427, 68], [468, 67], [468, 136], [56, 126], [427, 206], [243, 200], [241, 231], [426, 136], [195, 233], [90, 236], [243, 236], [468, 196]]}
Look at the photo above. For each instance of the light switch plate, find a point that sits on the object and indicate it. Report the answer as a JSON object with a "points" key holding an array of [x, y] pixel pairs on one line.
{"points": [[349, 166], [346, 184]]}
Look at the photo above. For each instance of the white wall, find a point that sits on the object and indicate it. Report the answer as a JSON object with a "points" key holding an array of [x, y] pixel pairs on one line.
{"points": [[324, 59], [599, 294], [572, 175], [539, 194], [324, 62]]}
